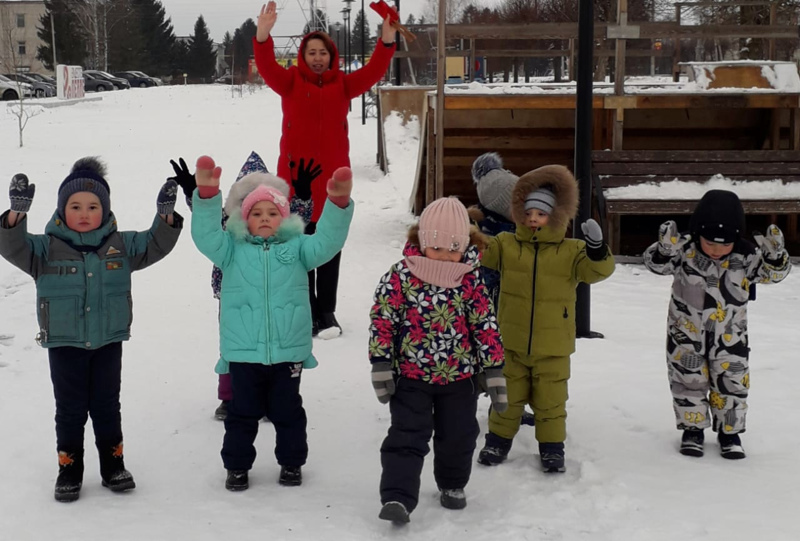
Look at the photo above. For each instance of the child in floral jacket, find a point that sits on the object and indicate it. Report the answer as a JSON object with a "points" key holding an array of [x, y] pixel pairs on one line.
{"points": [[434, 342]]}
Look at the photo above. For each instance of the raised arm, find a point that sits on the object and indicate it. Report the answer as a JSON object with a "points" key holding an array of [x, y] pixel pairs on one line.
{"points": [[666, 255], [148, 247], [366, 77], [276, 76], [24, 251], [207, 233]]}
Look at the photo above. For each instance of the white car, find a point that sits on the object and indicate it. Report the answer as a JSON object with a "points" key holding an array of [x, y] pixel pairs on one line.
{"points": [[9, 90]]}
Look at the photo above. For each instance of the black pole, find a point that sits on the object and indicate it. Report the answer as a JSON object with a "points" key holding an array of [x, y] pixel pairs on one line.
{"points": [[363, 63], [583, 150], [397, 80]]}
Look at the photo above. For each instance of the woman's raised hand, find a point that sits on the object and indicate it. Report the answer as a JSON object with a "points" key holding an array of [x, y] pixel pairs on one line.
{"points": [[388, 31], [266, 21]]}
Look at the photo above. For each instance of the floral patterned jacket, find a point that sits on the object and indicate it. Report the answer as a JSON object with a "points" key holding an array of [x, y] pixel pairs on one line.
{"points": [[431, 333]]}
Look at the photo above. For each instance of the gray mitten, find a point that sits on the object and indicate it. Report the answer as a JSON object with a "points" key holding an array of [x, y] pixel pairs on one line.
{"points": [[594, 240], [383, 381], [670, 242], [771, 245], [496, 387], [165, 203], [21, 193]]}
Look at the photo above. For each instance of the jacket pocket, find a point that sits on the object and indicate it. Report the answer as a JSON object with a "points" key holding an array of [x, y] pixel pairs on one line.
{"points": [[118, 316], [59, 319], [293, 324]]}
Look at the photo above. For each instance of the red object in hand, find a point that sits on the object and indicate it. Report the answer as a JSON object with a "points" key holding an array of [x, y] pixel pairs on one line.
{"points": [[385, 10]]}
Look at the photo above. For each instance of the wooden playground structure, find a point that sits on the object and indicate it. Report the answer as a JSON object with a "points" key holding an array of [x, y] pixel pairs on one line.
{"points": [[534, 126]]}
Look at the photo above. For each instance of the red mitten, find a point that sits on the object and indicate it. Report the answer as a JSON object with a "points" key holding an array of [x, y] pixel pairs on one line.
{"points": [[340, 186], [207, 177]]}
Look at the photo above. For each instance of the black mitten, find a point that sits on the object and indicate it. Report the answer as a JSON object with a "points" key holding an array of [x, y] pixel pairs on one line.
{"points": [[305, 176]]}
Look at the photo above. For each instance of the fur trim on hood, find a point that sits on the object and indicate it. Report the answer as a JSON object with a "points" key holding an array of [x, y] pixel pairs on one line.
{"points": [[241, 188], [476, 238], [564, 186]]}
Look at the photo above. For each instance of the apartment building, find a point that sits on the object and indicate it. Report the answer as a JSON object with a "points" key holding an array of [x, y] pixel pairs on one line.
{"points": [[18, 39]]}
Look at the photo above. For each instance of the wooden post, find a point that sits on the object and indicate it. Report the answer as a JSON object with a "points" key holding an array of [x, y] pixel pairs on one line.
{"points": [[441, 71], [430, 182], [473, 60], [619, 120], [571, 59], [773, 17], [621, 46], [775, 129], [676, 53], [794, 128]]}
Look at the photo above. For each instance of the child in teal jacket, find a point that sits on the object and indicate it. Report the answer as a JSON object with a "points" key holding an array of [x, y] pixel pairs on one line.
{"points": [[82, 266], [265, 313]]}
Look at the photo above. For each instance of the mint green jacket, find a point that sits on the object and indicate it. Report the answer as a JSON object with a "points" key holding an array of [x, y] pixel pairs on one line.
{"points": [[265, 313]]}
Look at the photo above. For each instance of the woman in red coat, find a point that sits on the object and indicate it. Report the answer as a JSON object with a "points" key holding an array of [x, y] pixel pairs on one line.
{"points": [[315, 98]]}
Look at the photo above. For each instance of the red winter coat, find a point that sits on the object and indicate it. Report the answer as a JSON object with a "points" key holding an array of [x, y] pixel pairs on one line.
{"points": [[315, 111]]}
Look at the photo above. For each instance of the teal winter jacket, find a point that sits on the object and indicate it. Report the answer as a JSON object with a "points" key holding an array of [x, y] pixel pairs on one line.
{"points": [[83, 280], [265, 313]]}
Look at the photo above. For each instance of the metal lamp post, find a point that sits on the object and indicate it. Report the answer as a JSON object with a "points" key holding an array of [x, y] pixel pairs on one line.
{"points": [[583, 151]]}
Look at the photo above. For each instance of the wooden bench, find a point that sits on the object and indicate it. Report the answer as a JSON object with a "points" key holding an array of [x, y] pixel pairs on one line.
{"points": [[615, 169]]}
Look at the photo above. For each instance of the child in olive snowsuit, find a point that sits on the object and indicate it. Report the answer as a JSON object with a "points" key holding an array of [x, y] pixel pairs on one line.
{"points": [[82, 266], [714, 270], [540, 270], [265, 312], [433, 344]]}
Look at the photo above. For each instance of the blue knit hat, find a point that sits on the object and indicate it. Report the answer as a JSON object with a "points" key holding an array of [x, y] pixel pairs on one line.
{"points": [[87, 175]]}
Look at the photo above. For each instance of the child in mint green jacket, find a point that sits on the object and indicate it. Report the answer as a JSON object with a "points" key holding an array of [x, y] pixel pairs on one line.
{"points": [[265, 313]]}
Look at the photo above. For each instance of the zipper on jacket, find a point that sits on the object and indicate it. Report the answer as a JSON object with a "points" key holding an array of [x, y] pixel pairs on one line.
{"points": [[533, 292], [266, 298]]}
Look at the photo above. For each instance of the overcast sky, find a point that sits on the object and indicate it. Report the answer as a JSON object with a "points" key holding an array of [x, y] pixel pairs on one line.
{"points": [[226, 15]]}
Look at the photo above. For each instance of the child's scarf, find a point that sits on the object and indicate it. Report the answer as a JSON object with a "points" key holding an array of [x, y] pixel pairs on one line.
{"points": [[439, 273]]}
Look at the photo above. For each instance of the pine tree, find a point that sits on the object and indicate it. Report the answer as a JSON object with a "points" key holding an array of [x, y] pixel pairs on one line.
{"points": [[356, 33], [202, 58], [71, 43], [243, 47], [158, 38]]}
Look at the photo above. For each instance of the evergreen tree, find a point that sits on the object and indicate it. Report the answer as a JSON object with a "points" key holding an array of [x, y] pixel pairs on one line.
{"points": [[243, 47], [358, 29], [158, 37], [202, 58], [71, 42], [410, 20]]}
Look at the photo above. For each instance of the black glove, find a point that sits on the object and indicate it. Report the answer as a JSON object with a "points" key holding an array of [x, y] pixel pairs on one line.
{"points": [[305, 176], [184, 178]]}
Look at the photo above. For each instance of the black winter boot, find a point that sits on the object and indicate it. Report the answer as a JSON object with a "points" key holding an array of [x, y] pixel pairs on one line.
{"points": [[730, 446], [112, 468], [237, 480], [692, 442], [495, 451], [291, 476], [328, 326], [70, 476], [452, 498], [395, 512], [552, 457], [222, 410]]}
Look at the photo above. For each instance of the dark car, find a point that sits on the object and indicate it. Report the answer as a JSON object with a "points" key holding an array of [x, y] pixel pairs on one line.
{"points": [[118, 82], [42, 78], [40, 89], [92, 84], [142, 81]]}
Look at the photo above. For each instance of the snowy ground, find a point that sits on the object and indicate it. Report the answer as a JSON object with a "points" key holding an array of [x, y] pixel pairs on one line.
{"points": [[625, 479]]}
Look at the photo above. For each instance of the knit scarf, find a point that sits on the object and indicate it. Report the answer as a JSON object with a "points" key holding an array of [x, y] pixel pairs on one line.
{"points": [[439, 273]]}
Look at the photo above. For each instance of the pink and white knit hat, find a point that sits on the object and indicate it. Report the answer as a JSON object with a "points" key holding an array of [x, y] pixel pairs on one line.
{"points": [[444, 224], [265, 193]]}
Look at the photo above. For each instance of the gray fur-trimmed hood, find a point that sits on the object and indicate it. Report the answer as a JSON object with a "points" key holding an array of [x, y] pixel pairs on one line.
{"points": [[564, 186], [248, 183]]}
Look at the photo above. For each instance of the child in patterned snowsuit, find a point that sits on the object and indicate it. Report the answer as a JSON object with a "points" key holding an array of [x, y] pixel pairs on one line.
{"points": [[82, 266], [265, 313], [433, 330], [539, 272], [714, 269]]}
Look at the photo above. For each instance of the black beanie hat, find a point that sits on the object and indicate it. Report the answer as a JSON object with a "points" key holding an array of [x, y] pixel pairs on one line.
{"points": [[719, 217], [87, 175]]}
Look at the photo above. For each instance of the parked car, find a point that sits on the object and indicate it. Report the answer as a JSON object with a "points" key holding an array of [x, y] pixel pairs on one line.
{"points": [[92, 84], [136, 78], [9, 89], [156, 80], [118, 82], [40, 89], [43, 78]]}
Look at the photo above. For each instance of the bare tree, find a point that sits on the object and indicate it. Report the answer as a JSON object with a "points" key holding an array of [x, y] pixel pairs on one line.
{"points": [[453, 9], [9, 61], [97, 18]]}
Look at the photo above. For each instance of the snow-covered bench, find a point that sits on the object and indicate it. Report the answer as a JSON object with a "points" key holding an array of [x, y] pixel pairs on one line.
{"points": [[665, 182]]}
